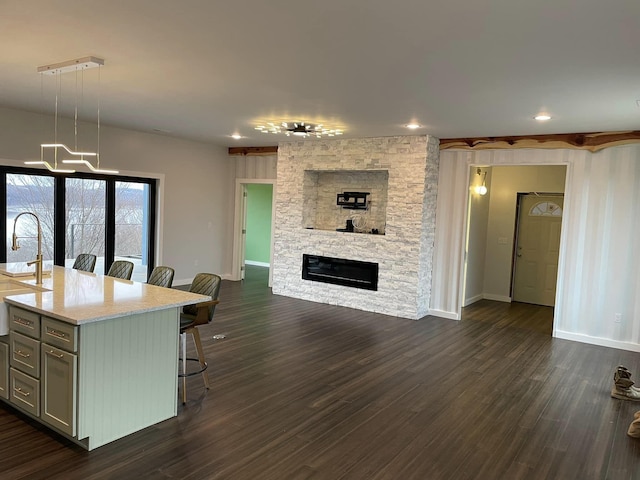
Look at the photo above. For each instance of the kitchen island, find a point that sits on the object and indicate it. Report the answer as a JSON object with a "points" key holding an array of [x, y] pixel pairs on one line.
{"points": [[94, 358]]}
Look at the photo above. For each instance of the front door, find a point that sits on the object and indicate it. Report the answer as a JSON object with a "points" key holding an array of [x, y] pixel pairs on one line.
{"points": [[537, 248]]}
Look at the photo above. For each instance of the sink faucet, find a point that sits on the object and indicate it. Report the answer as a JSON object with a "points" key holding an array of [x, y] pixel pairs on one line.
{"points": [[15, 246]]}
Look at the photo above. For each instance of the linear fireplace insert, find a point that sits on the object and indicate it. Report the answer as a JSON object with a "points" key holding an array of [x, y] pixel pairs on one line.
{"points": [[340, 271]]}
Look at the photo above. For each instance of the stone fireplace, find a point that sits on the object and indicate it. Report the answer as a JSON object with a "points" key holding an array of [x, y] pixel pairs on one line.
{"points": [[400, 175]]}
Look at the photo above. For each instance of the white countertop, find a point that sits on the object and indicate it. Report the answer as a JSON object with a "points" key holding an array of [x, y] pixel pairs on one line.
{"points": [[79, 297]]}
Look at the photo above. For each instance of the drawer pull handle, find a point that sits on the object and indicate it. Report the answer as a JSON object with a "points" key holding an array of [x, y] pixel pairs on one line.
{"points": [[21, 392], [22, 321], [55, 333], [22, 354], [53, 354]]}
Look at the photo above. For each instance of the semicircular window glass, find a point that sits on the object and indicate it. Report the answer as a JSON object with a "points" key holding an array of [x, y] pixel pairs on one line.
{"points": [[546, 209]]}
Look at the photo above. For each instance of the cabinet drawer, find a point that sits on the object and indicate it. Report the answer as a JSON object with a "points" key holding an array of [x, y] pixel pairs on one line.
{"points": [[4, 370], [24, 321], [59, 334], [24, 392], [24, 353]]}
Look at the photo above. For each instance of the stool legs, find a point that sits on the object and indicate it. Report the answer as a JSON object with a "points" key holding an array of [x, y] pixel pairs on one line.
{"points": [[201, 359]]}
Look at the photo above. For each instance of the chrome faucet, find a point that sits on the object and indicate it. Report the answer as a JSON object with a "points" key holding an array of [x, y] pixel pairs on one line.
{"points": [[15, 246]]}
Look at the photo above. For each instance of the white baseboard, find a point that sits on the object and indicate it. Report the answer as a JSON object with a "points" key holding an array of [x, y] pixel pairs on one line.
{"points": [[444, 314], [497, 298], [188, 281], [603, 342], [257, 264], [473, 299]]}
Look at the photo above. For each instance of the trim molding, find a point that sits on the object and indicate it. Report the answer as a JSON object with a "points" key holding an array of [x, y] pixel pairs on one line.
{"points": [[257, 264], [253, 150], [580, 141], [603, 342], [496, 298], [443, 314]]}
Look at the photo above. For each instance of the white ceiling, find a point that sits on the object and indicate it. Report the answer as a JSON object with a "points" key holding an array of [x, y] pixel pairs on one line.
{"points": [[204, 69]]}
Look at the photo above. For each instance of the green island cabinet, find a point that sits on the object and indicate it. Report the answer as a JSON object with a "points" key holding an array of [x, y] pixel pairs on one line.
{"points": [[95, 382]]}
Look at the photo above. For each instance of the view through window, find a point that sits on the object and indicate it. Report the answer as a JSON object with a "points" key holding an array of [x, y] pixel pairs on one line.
{"points": [[30, 193], [109, 217]]}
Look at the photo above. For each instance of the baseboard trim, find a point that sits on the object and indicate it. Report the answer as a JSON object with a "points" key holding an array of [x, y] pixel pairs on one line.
{"points": [[444, 314], [473, 299], [188, 281], [497, 298], [257, 264], [602, 342]]}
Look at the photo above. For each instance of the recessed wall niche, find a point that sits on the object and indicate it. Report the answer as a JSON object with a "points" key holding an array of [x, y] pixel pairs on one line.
{"points": [[320, 190]]}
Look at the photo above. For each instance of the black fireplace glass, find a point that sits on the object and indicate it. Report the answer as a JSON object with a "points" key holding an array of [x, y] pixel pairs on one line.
{"points": [[340, 271]]}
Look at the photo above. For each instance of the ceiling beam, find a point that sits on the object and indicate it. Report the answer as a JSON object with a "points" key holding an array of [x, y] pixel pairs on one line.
{"points": [[253, 150], [581, 141]]}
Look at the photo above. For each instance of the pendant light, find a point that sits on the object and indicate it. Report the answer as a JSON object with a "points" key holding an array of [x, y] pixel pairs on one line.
{"points": [[77, 65]]}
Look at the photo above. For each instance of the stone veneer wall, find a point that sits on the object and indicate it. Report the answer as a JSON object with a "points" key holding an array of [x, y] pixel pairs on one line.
{"points": [[404, 254]]}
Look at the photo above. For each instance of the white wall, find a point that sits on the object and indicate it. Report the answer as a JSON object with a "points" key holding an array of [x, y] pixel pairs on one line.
{"points": [[599, 269], [476, 249], [196, 186]]}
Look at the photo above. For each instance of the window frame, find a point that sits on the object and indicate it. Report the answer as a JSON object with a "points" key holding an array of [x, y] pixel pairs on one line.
{"points": [[60, 211]]}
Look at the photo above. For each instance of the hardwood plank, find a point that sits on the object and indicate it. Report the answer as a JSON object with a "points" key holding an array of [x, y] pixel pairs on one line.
{"points": [[302, 390]]}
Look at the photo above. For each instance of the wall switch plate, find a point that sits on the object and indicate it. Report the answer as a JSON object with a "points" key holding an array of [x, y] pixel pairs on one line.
{"points": [[617, 317]]}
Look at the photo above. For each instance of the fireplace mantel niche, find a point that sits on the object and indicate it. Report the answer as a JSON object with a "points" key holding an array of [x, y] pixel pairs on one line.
{"points": [[407, 167], [320, 208]]}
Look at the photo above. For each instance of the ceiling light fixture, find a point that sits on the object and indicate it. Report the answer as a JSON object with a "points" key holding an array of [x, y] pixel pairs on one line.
{"points": [[413, 126], [299, 129], [543, 117], [236, 136], [57, 69]]}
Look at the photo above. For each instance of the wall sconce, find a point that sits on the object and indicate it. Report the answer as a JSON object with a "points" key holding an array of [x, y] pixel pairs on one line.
{"points": [[481, 189]]}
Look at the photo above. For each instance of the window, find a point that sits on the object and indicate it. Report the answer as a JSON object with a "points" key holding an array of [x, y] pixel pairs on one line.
{"points": [[545, 209], [109, 216], [85, 223], [29, 193]]}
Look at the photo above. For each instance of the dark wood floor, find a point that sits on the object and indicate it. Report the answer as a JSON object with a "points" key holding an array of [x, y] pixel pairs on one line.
{"points": [[309, 391]]}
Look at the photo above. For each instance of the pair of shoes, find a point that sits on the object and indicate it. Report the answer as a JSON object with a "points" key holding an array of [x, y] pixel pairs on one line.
{"points": [[623, 388], [634, 428]]}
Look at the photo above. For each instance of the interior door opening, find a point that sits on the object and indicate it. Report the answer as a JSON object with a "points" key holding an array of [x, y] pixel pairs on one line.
{"points": [[488, 266], [253, 229]]}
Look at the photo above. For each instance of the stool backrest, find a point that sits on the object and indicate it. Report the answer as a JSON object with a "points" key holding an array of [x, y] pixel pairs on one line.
{"points": [[161, 276], [204, 284]]}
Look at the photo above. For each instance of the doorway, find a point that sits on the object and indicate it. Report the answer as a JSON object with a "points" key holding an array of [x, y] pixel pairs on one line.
{"points": [[253, 228], [489, 253], [258, 221], [537, 246]]}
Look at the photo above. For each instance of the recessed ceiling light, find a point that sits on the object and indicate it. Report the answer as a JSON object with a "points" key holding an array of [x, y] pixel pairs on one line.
{"points": [[236, 136], [543, 117], [413, 126]]}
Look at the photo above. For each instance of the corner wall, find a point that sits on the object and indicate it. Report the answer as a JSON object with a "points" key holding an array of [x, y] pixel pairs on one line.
{"points": [[404, 253]]}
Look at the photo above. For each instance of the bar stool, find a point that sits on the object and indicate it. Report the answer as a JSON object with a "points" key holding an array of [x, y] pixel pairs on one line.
{"points": [[121, 269], [191, 317], [161, 276], [85, 262]]}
